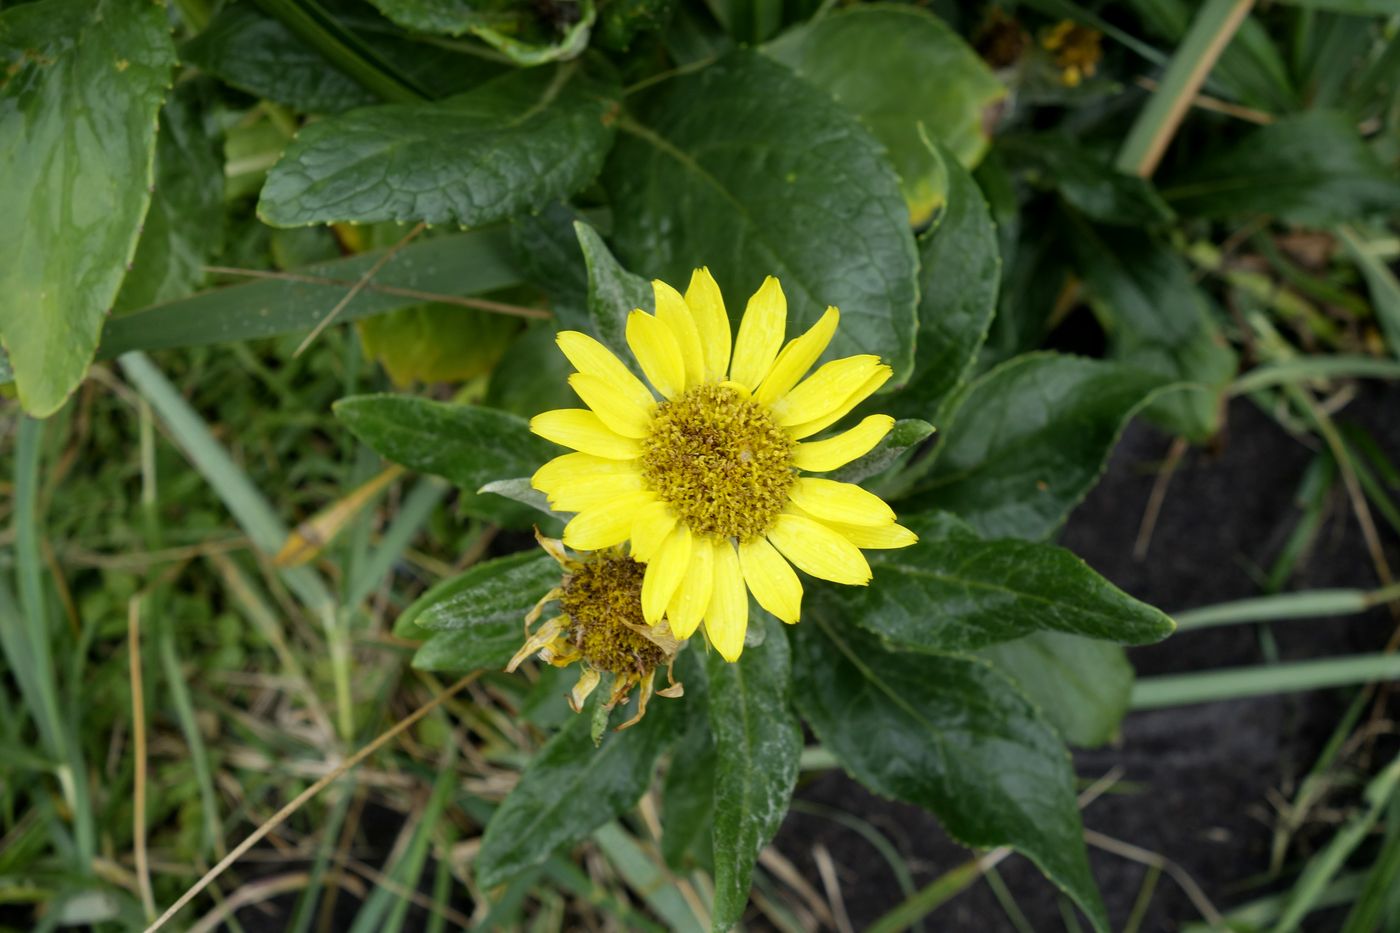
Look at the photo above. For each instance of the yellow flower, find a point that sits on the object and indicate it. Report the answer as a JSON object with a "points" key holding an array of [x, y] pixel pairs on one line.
{"points": [[704, 483], [1077, 50], [600, 625]]}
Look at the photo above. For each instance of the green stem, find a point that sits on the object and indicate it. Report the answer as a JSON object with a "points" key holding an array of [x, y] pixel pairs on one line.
{"points": [[1234, 683], [1307, 605]]}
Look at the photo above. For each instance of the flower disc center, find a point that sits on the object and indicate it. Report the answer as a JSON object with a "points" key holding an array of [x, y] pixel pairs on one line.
{"points": [[720, 460], [603, 600]]}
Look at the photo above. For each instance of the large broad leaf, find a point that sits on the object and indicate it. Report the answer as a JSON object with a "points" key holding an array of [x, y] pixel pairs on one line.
{"points": [[950, 734], [1158, 320], [467, 444], [959, 273], [757, 744], [1081, 685], [489, 646], [500, 590], [185, 224], [81, 85], [1088, 180], [547, 251], [513, 144], [909, 78], [1313, 168], [1024, 443], [793, 187], [613, 293], [527, 33], [688, 792], [437, 342], [953, 591], [570, 789]]}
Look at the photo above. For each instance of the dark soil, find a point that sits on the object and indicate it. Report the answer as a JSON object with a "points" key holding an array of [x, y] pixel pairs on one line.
{"points": [[1201, 776]]}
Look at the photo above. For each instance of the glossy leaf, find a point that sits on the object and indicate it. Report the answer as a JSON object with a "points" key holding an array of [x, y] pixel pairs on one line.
{"points": [[489, 646], [1088, 181], [687, 793], [953, 591], [436, 342], [757, 744], [1023, 444], [528, 34], [909, 78], [83, 83], [547, 251], [613, 292], [799, 190], [569, 789], [185, 224], [959, 274], [1312, 168], [467, 444], [950, 734], [1158, 320], [513, 144], [1081, 685], [501, 590]]}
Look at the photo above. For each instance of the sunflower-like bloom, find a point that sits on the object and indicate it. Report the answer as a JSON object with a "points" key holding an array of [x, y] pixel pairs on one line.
{"points": [[704, 482], [600, 625]]}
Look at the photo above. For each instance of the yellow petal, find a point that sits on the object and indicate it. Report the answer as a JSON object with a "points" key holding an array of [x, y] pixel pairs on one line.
{"points": [[826, 389], [656, 351], [727, 619], [693, 595], [582, 494], [664, 573], [819, 550], [883, 538], [760, 334], [771, 578], [867, 388], [650, 526], [672, 311], [612, 406], [591, 357], [836, 452], [711, 320], [560, 471], [607, 524], [797, 357], [583, 430], [829, 500]]}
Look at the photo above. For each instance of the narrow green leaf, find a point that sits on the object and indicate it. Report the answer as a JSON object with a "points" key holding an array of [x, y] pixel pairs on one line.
{"points": [[1384, 288], [498, 590], [570, 789], [83, 83], [959, 274], [1159, 321], [488, 646], [1081, 685], [904, 73], [953, 591], [513, 144], [799, 190], [467, 444], [757, 743], [1313, 168], [613, 292], [1353, 7], [950, 734], [1023, 444]]}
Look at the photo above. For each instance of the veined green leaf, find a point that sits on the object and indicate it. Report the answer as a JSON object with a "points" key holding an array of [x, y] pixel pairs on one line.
{"points": [[613, 293], [570, 789], [959, 274], [908, 77], [83, 83], [513, 144], [1082, 685], [799, 190], [501, 590], [1023, 444], [1313, 168], [953, 591], [950, 734], [688, 792], [467, 444], [757, 743], [488, 646]]}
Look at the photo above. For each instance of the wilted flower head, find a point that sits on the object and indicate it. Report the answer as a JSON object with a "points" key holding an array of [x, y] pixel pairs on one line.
{"points": [[600, 625], [704, 481], [1077, 50]]}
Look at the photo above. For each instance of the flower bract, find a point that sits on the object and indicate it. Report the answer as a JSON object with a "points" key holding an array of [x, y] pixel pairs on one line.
{"points": [[701, 466]]}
